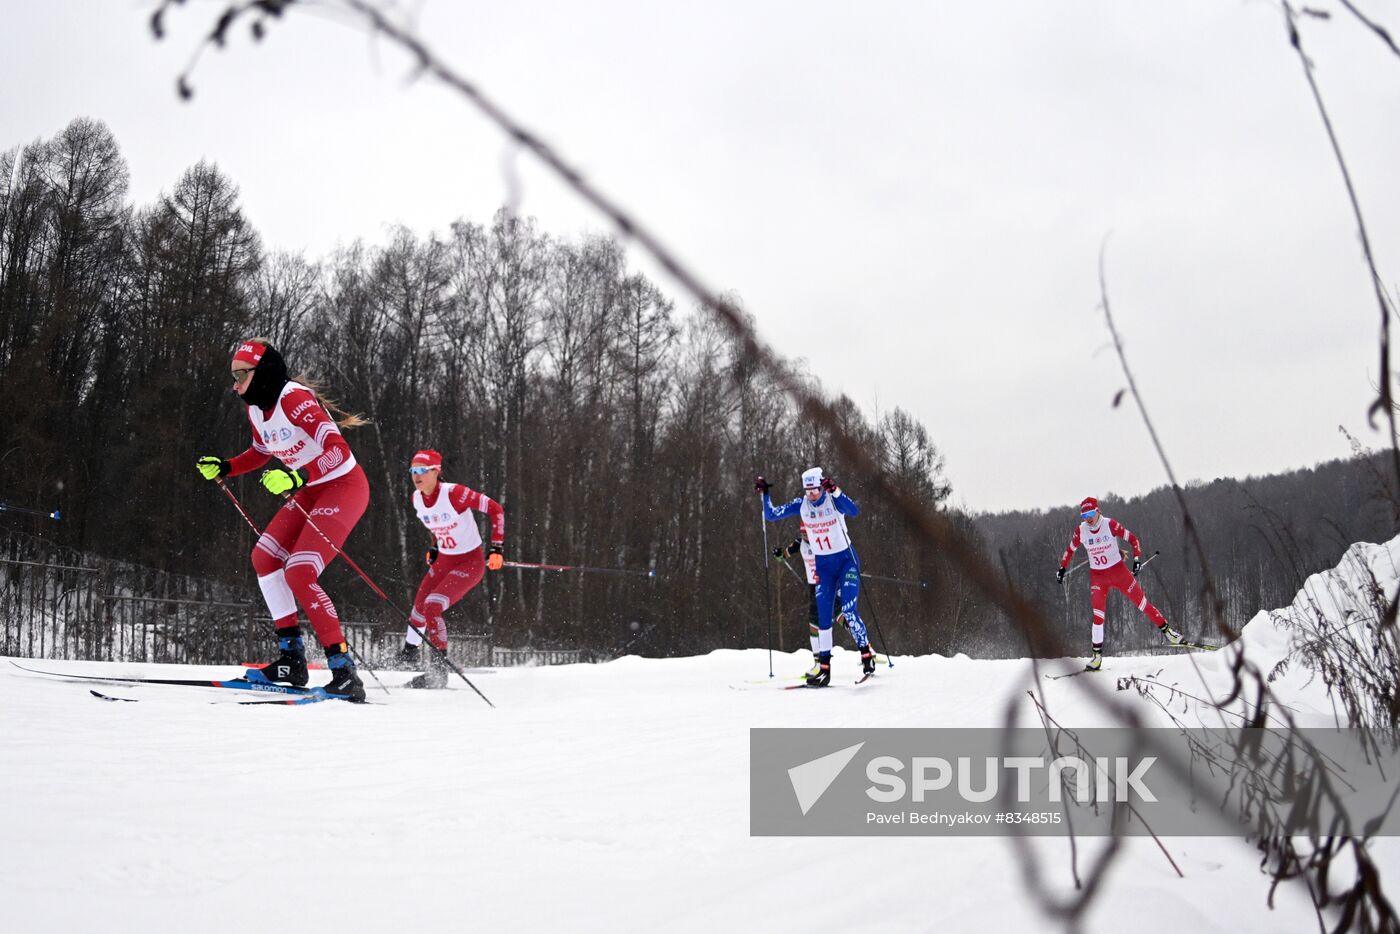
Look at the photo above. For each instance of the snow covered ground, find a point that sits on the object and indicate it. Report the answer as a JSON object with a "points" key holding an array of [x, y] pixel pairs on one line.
{"points": [[595, 797]]}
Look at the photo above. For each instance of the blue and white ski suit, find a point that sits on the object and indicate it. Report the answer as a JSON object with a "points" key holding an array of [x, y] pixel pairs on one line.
{"points": [[838, 569]]}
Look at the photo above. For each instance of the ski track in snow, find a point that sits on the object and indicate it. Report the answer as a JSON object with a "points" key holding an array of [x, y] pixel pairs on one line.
{"points": [[596, 797]]}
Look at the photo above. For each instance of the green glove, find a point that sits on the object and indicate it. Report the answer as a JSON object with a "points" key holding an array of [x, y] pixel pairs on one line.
{"points": [[279, 480], [212, 467]]}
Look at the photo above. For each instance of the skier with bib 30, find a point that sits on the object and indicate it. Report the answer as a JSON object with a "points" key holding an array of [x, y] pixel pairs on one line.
{"points": [[455, 562], [1099, 535], [823, 509], [291, 424]]}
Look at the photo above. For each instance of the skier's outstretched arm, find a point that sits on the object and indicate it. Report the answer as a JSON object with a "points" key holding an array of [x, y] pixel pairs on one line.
{"points": [[1069, 552]]}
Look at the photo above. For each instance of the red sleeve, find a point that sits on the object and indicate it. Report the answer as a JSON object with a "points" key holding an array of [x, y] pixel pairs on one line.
{"points": [[1118, 530], [251, 459], [316, 421], [248, 460], [466, 498], [1069, 552]]}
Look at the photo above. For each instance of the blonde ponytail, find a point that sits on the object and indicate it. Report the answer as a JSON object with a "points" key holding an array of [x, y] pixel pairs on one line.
{"points": [[342, 418]]}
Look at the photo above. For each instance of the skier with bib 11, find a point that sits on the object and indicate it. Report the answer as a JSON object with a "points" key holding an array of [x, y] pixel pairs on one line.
{"points": [[801, 547], [1099, 535], [823, 509]]}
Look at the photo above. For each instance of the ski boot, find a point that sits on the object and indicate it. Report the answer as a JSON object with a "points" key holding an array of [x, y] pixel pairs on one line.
{"points": [[344, 680], [867, 660], [1170, 634], [1095, 660], [816, 668], [406, 660], [434, 673], [823, 676], [289, 668]]}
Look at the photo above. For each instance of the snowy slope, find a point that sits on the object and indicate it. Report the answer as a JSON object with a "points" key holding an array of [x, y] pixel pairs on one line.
{"points": [[607, 797]]}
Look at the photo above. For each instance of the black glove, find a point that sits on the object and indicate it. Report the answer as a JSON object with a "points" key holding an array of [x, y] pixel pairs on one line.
{"points": [[1137, 566], [761, 485], [829, 485], [795, 546], [778, 553], [431, 555], [1060, 576]]}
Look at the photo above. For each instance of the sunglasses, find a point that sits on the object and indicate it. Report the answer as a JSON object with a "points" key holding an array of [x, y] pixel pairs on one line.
{"points": [[1089, 515], [240, 375], [419, 471]]}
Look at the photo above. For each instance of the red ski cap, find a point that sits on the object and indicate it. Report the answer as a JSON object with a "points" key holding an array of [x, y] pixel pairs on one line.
{"points": [[1089, 504], [427, 459], [250, 353]]}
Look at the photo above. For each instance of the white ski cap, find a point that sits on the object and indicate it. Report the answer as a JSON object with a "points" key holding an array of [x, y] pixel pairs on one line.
{"points": [[811, 479]]}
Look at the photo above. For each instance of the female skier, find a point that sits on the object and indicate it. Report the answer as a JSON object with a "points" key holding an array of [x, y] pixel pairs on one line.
{"points": [[291, 424], [1099, 535], [824, 508], [454, 562]]}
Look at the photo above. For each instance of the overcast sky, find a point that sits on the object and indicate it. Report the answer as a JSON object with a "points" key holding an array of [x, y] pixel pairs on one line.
{"points": [[911, 197]]}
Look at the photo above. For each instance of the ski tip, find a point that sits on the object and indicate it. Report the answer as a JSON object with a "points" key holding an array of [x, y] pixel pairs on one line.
{"points": [[107, 697]]}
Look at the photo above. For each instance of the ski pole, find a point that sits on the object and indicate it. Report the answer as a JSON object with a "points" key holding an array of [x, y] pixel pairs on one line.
{"points": [[889, 655], [258, 532], [894, 580], [792, 570], [527, 566], [767, 581], [385, 597], [1086, 561], [31, 512]]}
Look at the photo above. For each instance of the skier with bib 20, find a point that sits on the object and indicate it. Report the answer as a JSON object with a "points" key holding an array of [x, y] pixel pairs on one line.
{"points": [[455, 562]]}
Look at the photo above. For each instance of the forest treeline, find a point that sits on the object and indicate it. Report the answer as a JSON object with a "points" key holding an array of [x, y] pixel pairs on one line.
{"points": [[617, 430]]}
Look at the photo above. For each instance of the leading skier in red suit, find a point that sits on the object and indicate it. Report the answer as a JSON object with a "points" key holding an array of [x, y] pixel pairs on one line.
{"points": [[291, 424]]}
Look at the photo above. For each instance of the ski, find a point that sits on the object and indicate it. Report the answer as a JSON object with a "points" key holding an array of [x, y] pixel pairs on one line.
{"points": [[1201, 646], [236, 684], [1071, 674], [289, 702], [865, 678], [108, 697]]}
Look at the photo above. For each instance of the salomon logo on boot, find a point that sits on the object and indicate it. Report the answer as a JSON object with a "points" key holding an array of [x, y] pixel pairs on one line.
{"points": [[288, 668]]}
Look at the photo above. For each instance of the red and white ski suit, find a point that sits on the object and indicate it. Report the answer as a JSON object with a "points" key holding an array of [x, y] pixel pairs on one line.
{"points": [[290, 555], [1108, 572], [459, 566]]}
